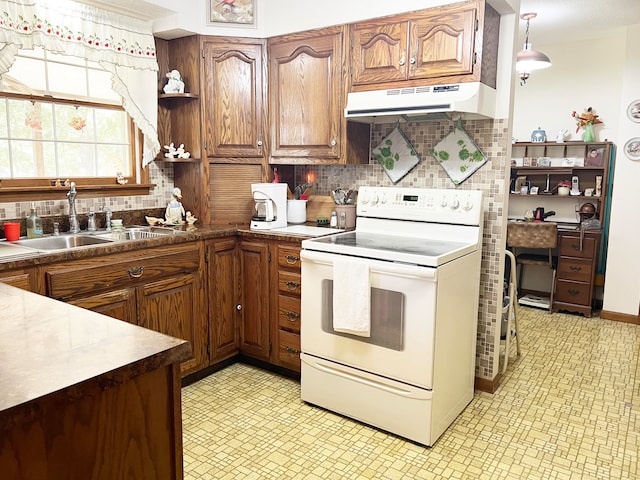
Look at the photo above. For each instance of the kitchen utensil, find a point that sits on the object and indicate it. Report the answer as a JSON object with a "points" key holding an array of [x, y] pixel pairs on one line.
{"points": [[349, 212]]}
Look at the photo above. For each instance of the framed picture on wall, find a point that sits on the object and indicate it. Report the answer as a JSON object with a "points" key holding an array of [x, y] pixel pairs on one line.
{"points": [[594, 157], [238, 13]]}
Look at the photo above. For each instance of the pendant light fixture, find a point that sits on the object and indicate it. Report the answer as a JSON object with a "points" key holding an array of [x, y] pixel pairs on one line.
{"points": [[528, 59]]}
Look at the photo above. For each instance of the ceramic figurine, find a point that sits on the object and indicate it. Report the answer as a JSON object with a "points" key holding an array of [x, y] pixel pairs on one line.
{"points": [[190, 218], [175, 83], [175, 211]]}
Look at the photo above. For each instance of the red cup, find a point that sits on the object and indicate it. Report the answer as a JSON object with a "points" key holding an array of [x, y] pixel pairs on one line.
{"points": [[12, 231]]}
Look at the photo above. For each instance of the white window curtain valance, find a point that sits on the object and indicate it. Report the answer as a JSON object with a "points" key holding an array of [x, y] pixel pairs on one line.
{"points": [[122, 45]]}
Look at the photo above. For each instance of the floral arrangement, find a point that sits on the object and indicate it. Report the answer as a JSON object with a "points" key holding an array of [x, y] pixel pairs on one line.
{"points": [[586, 118], [564, 183]]}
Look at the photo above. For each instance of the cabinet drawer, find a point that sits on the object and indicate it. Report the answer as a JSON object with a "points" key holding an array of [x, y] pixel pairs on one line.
{"points": [[576, 269], [289, 313], [573, 292], [110, 272], [570, 246], [289, 282], [289, 349], [289, 257]]}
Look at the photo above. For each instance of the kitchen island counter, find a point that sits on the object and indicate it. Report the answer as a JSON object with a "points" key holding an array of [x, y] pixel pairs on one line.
{"points": [[85, 394]]}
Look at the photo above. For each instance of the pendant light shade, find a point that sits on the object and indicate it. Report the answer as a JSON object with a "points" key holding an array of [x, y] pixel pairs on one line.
{"points": [[528, 59]]}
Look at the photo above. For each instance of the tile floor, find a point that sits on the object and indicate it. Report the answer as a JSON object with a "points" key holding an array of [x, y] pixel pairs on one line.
{"points": [[567, 409]]}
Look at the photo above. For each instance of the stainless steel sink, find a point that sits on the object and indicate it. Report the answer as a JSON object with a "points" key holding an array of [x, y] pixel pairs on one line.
{"points": [[139, 233], [62, 242]]}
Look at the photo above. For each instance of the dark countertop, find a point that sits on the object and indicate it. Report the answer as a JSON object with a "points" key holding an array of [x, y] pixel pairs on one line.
{"points": [[193, 233], [47, 346]]}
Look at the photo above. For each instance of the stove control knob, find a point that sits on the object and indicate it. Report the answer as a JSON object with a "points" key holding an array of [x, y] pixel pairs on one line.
{"points": [[443, 202], [374, 199], [455, 204], [468, 205], [383, 200]]}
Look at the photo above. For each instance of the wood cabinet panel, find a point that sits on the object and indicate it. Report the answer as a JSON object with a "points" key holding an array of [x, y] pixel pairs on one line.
{"points": [[379, 52], [223, 299], [254, 299], [442, 44], [170, 306], [573, 292], [571, 246], [233, 98], [576, 269], [24, 279], [306, 94], [120, 304]]}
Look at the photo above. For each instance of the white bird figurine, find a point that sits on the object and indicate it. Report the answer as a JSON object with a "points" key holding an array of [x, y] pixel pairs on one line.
{"points": [[561, 135]]}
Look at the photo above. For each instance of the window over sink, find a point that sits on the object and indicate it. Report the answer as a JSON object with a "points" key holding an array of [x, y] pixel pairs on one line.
{"points": [[59, 119]]}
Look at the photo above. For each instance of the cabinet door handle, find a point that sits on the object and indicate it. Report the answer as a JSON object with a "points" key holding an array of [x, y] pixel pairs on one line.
{"points": [[573, 292], [292, 259], [259, 142], [575, 268], [412, 60], [291, 286], [292, 316], [401, 62], [289, 349], [135, 272], [238, 307], [334, 142], [576, 246]]}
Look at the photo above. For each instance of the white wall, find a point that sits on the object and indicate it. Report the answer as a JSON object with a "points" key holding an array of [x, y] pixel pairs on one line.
{"points": [[601, 73]]}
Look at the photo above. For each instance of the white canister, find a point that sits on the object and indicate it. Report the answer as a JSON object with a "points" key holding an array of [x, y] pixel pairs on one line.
{"points": [[296, 211]]}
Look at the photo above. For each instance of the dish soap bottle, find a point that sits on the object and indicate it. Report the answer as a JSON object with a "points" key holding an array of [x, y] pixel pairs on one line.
{"points": [[34, 224]]}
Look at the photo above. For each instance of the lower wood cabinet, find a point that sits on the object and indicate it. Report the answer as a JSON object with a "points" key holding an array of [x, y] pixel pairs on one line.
{"points": [[24, 278], [224, 316], [158, 288], [577, 258], [254, 298]]}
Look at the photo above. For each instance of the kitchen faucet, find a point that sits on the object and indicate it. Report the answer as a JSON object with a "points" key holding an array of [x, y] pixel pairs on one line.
{"points": [[74, 225], [108, 214]]}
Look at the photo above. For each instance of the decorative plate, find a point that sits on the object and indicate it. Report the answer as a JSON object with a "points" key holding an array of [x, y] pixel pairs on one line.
{"points": [[632, 148], [633, 111], [458, 154], [396, 155]]}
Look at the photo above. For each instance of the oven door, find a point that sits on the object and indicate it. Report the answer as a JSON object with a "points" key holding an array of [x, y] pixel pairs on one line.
{"points": [[403, 307]]}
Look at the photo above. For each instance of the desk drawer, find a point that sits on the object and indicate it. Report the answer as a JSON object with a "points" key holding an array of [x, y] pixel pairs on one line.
{"points": [[289, 257], [117, 271], [573, 292], [289, 282], [569, 246], [289, 313], [289, 350], [576, 269]]}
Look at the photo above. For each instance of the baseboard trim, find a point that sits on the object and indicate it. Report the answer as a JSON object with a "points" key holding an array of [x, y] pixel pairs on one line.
{"points": [[620, 317], [486, 384]]}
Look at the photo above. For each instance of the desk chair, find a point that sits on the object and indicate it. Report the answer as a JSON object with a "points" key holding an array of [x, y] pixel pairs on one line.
{"points": [[509, 327], [534, 235]]}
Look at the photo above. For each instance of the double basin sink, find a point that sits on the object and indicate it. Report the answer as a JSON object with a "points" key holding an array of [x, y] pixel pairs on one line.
{"points": [[76, 240]]}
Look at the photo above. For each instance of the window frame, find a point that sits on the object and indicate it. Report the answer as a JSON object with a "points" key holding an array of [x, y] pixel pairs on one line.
{"points": [[25, 189]]}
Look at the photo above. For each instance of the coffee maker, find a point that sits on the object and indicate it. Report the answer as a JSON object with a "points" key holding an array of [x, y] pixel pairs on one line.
{"points": [[270, 209]]}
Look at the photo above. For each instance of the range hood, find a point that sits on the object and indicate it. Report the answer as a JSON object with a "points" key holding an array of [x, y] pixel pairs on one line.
{"points": [[472, 100]]}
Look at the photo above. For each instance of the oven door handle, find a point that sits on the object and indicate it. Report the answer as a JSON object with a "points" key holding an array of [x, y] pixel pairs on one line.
{"points": [[376, 266], [409, 392]]}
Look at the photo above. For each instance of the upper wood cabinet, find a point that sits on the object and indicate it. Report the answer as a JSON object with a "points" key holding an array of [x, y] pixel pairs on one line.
{"points": [[234, 99], [305, 92], [430, 44]]}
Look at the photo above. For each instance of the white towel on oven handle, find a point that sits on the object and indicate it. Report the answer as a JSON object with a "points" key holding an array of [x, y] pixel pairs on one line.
{"points": [[351, 297]]}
